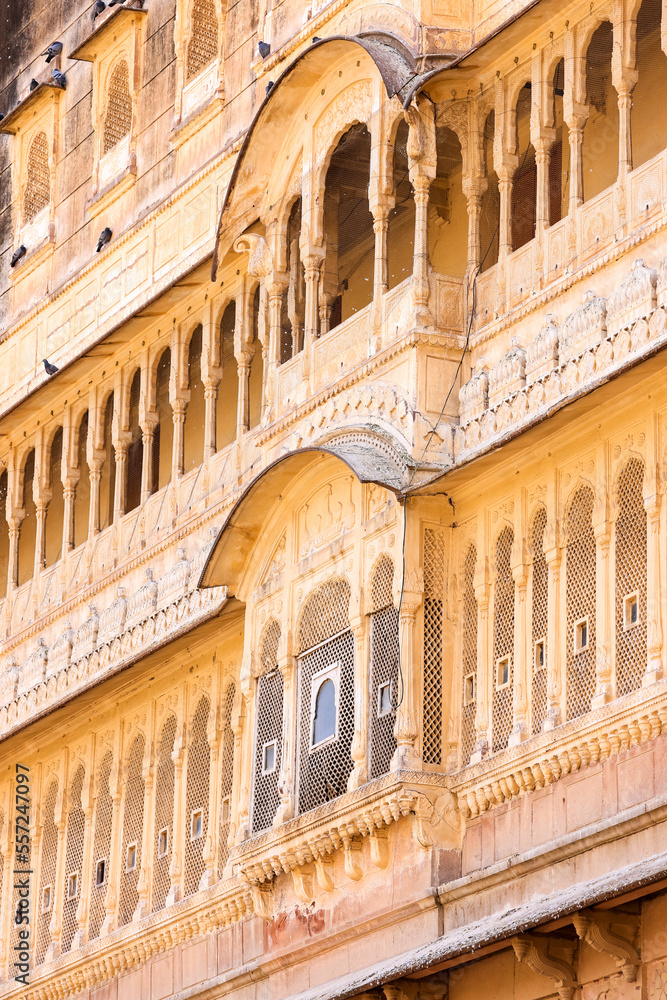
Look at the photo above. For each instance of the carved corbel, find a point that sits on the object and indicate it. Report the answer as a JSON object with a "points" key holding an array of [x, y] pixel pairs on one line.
{"points": [[302, 880], [596, 929], [260, 258], [324, 869], [437, 821], [536, 952], [379, 842], [352, 853], [262, 899]]}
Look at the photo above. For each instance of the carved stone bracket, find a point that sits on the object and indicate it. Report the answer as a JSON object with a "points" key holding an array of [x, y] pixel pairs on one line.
{"points": [[538, 953], [596, 929]]}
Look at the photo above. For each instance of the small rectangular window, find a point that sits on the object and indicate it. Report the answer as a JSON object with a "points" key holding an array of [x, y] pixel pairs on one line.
{"points": [[324, 694], [384, 699], [630, 610], [539, 659], [101, 872], [72, 885], [46, 898], [269, 757], [502, 672], [225, 809], [131, 858], [581, 635], [163, 843], [469, 689], [196, 823]]}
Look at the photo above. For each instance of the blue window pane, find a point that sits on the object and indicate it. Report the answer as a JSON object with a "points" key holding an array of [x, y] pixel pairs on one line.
{"points": [[324, 723]]}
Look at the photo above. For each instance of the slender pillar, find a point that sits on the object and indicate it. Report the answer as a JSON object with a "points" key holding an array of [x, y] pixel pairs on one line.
{"points": [[95, 470], [120, 486], [113, 876], [147, 435], [359, 773], [521, 675], [243, 361], [542, 147], [575, 126], [178, 408], [654, 667], [481, 747], [287, 667], [505, 187], [144, 882], [41, 507], [603, 616], [86, 865], [555, 686], [624, 89], [14, 532], [312, 263], [210, 852], [210, 403], [56, 924], [421, 183], [178, 833]]}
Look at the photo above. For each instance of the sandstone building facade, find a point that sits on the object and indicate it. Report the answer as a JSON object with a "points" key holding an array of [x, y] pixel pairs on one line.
{"points": [[333, 556]]}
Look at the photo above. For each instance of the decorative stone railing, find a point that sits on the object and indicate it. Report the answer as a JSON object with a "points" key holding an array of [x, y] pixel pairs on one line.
{"points": [[303, 847], [106, 643], [136, 943], [595, 341], [543, 759]]}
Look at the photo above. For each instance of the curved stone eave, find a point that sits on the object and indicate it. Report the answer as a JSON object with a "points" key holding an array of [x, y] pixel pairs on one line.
{"points": [[396, 75], [245, 521]]}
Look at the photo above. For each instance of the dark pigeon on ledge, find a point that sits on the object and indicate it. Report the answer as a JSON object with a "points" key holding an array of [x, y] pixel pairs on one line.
{"points": [[98, 7], [50, 369], [16, 256], [33, 85], [104, 238], [54, 49], [264, 49], [58, 78]]}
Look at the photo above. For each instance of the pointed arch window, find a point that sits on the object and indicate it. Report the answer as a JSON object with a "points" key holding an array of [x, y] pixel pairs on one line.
{"points": [[580, 604], [384, 668], [503, 641], [37, 191], [197, 793], [630, 552], [203, 42], [164, 814], [269, 731], [118, 117], [101, 848]]}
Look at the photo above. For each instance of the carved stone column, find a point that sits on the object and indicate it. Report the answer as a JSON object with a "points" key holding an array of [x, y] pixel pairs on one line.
{"points": [[406, 730], [359, 775], [275, 287], [144, 881], [542, 146], [575, 124], [521, 665], [381, 210], [56, 923], [41, 507], [178, 408], [484, 672], [603, 616], [113, 877], [210, 852], [287, 667], [82, 909], [312, 263], [505, 187], [178, 833], [555, 686], [95, 475], [243, 362], [422, 163], [654, 666], [210, 405], [14, 522], [147, 436]]}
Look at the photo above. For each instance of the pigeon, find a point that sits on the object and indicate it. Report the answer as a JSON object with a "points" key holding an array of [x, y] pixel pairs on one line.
{"points": [[1, 116], [269, 87], [315, 38], [105, 236], [54, 49], [50, 369], [264, 49], [98, 7], [112, 3], [16, 256], [33, 85], [58, 78]]}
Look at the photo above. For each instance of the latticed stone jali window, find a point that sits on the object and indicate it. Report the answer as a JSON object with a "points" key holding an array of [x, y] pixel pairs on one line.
{"points": [[503, 641], [469, 657], [118, 117], [384, 668], [269, 731], [326, 703], [47, 881], [227, 771], [101, 859], [580, 604], [164, 814], [434, 570], [203, 42], [539, 612], [630, 553], [196, 796], [37, 190], [133, 825], [73, 860]]}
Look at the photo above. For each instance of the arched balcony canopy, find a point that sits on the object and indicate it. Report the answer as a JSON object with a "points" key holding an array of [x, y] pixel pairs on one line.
{"points": [[253, 511], [249, 184]]}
